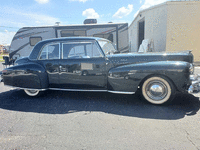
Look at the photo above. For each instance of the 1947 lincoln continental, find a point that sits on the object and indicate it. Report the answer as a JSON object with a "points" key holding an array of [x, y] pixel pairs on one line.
{"points": [[92, 64]]}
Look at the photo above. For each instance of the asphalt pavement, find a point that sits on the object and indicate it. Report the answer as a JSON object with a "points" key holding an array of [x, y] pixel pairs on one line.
{"points": [[88, 121]]}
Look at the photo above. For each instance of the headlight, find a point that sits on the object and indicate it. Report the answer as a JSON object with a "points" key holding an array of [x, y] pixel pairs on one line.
{"points": [[191, 69]]}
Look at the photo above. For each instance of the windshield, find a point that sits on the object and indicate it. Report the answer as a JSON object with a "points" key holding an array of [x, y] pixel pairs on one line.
{"points": [[107, 47]]}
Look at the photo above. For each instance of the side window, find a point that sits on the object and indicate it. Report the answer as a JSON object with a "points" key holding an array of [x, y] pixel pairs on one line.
{"points": [[35, 40], [80, 50], [65, 50], [50, 52], [93, 51], [77, 51]]}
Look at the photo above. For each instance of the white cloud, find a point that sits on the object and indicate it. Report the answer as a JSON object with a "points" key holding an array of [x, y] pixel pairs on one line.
{"points": [[42, 1], [79, 0], [20, 19], [41, 20], [122, 12], [90, 13], [149, 3]]}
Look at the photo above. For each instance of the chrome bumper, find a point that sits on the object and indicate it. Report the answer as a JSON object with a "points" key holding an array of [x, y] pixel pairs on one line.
{"points": [[195, 86]]}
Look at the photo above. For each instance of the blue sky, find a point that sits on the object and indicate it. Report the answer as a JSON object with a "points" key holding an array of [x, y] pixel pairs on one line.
{"points": [[15, 14]]}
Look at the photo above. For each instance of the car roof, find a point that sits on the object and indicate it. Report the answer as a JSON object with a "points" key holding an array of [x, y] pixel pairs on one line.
{"points": [[39, 45], [71, 38]]}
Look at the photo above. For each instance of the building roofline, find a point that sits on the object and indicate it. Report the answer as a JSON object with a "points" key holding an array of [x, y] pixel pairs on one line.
{"points": [[162, 4], [147, 9]]}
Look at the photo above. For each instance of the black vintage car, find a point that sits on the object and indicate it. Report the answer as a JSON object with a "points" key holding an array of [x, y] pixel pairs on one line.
{"points": [[92, 64]]}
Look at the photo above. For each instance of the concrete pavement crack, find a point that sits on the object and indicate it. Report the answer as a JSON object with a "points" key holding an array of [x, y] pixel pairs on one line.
{"points": [[191, 140]]}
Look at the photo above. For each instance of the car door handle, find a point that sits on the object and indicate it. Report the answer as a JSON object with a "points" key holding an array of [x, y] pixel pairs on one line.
{"points": [[60, 68]]}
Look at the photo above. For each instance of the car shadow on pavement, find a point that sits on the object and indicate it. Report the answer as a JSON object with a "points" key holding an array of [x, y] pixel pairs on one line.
{"points": [[59, 102]]}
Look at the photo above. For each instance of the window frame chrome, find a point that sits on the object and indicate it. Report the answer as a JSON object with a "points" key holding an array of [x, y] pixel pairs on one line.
{"points": [[89, 42]]}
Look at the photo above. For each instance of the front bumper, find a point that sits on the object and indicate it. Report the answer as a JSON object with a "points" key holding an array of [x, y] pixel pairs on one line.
{"points": [[195, 86]]}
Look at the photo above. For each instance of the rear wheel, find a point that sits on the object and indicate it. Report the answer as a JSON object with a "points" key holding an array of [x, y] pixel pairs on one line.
{"points": [[32, 92], [158, 90]]}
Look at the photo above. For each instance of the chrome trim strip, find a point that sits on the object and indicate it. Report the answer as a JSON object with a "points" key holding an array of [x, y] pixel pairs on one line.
{"points": [[59, 51], [75, 90], [24, 88], [33, 89], [11, 86], [120, 92], [80, 90], [62, 52]]}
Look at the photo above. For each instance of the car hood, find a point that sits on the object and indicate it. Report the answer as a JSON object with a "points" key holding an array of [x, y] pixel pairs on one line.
{"points": [[128, 58]]}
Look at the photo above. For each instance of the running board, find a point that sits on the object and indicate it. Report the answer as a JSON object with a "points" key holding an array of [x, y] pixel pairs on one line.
{"points": [[74, 90], [81, 90]]}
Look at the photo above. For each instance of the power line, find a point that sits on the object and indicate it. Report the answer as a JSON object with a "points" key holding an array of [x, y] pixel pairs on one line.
{"points": [[6, 31], [9, 27]]}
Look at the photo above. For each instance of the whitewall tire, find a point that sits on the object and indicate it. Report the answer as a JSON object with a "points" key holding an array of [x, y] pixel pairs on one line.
{"points": [[158, 90], [32, 92]]}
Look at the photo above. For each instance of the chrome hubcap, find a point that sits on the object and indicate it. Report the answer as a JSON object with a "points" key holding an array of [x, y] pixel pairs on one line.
{"points": [[156, 90]]}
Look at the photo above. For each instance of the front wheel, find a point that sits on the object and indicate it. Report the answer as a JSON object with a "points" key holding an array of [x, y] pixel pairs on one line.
{"points": [[158, 90], [32, 92]]}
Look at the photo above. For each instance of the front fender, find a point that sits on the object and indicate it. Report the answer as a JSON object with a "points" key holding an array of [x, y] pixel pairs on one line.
{"points": [[29, 75], [127, 78]]}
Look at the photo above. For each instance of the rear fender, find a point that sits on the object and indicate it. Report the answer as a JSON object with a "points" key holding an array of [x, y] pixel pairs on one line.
{"points": [[29, 75]]}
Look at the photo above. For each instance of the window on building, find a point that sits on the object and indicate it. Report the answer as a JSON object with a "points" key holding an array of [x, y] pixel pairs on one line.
{"points": [[35, 40], [71, 33]]}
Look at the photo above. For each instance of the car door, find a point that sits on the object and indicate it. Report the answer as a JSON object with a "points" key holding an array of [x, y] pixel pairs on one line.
{"points": [[83, 66], [49, 58]]}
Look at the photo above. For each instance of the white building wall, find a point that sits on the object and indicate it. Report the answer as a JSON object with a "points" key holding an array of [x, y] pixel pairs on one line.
{"points": [[173, 26], [133, 46], [155, 28]]}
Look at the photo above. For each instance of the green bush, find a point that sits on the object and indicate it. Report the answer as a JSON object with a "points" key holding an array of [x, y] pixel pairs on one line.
{"points": [[1, 57]]}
